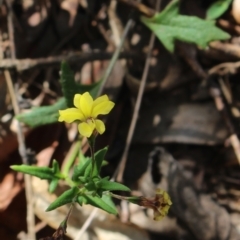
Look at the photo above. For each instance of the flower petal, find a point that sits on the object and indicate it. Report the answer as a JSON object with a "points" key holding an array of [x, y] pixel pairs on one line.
{"points": [[86, 104], [100, 99], [85, 129], [76, 100], [69, 115], [102, 108], [100, 126]]}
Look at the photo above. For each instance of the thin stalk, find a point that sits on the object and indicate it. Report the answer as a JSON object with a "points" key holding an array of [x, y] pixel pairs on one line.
{"points": [[91, 142], [70, 160]]}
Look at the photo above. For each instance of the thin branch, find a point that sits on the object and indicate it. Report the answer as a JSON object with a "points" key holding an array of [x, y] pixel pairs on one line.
{"points": [[86, 224], [140, 7], [79, 57], [115, 56], [120, 170], [23, 153]]}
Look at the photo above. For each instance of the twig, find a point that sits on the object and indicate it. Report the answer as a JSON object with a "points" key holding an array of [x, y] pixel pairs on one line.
{"points": [[216, 94], [80, 57], [115, 56], [121, 166], [23, 153], [226, 48], [21, 141], [86, 224], [224, 68], [10, 29], [140, 7]]}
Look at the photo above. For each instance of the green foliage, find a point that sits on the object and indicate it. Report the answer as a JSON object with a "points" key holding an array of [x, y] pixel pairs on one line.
{"points": [[104, 184], [217, 9], [70, 87], [42, 115], [80, 169], [98, 202], [99, 160], [53, 185], [86, 184], [169, 26], [67, 197], [49, 114], [40, 172]]}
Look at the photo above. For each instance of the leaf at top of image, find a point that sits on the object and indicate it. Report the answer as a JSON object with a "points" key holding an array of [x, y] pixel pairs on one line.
{"points": [[169, 26], [217, 8]]}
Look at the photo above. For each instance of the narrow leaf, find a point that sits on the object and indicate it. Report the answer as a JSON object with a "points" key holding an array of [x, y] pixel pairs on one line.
{"points": [[40, 172], [217, 9], [79, 170], [55, 166], [42, 115], [53, 185], [169, 26], [67, 197], [99, 203], [112, 186], [99, 161]]}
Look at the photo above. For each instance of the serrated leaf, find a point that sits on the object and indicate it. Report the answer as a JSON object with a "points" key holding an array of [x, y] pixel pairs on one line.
{"points": [[99, 203], [70, 87], [53, 185], [217, 9], [99, 160], [169, 26], [111, 186], [42, 115], [67, 197], [40, 172]]}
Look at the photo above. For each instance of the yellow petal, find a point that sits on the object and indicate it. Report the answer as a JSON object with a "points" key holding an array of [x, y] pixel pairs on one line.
{"points": [[76, 100], [69, 115], [102, 108], [100, 99], [100, 126], [86, 104], [85, 129]]}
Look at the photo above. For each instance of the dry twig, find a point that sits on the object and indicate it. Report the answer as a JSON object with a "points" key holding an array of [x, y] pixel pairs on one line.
{"points": [[120, 170]]}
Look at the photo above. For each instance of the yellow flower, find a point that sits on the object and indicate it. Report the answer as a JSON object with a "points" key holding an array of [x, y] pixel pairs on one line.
{"points": [[87, 111]]}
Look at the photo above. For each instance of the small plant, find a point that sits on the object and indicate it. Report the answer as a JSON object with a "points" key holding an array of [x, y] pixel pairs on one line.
{"points": [[86, 186]]}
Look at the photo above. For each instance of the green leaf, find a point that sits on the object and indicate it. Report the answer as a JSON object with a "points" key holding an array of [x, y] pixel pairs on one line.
{"points": [[169, 26], [70, 87], [217, 9], [42, 115], [99, 203], [99, 160], [67, 197], [55, 167], [53, 185], [49, 114], [80, 169], [40, 172], [90, 186], [111, 186]]}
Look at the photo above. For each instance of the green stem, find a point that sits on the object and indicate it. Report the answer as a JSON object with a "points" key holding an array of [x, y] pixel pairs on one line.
{"points": [[132, 199], [91, 142], [73, 153]]}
